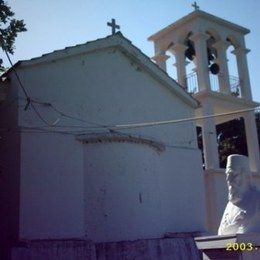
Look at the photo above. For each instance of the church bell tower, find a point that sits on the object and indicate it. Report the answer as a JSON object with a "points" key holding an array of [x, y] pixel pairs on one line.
{"points": [[202, 39]]}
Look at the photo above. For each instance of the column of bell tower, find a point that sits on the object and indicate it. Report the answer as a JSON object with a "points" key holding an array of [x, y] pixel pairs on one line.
{"points": [[201, 60], [160, 58], [223, 77], [243, 73], [209, 138], [178, 51]]}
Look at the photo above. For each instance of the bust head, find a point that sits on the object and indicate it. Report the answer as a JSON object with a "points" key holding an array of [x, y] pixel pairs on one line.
{"points": [[242, 213], [238, 177]]}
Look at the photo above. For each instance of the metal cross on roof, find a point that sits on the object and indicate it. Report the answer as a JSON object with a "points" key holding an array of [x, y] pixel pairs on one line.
{"points": [[113, 25], [196, 7]]}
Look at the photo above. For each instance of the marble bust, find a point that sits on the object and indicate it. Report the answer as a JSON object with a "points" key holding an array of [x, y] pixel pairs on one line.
{"points": [[242, 213]]}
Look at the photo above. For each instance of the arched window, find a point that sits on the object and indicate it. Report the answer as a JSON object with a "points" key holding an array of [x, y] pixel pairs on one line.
{"points": [[191, 75], [232, 67]]}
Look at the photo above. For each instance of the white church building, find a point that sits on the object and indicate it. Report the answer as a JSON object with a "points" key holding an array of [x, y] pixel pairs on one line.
{"points": [[77, 166]]}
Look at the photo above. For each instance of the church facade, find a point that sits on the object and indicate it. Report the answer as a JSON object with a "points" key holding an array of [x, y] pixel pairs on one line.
{"points": [[73, 169], [82, 169]]}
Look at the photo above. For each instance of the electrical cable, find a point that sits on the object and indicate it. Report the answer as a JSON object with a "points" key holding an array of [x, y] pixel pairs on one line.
{"points": [[78, 134], [149, 124], [156, 123], [76, 118], [21, 85], [67, 116], [110, 127], [11, 63], [41, 117]]}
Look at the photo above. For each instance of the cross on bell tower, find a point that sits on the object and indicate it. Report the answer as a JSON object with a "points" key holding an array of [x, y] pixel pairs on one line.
{"points": [[113, 25]]}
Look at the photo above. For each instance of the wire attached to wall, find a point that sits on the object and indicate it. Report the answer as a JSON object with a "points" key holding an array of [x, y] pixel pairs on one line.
{"points": [[157, 123], [28, 99], [111, 128]]}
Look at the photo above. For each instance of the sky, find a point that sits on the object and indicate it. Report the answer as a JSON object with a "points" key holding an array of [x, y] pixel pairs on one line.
{"points": [[58, 24]]}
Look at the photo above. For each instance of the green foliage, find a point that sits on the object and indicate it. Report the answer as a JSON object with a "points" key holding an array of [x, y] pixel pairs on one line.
{"points": [[9, 28], [231, 138]]}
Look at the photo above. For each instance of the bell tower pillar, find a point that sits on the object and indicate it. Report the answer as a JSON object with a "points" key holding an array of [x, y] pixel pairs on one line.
{"points": [[201, 60], [242, 67], [209, 137], [160, 59], [179, 52], [223, 76]]}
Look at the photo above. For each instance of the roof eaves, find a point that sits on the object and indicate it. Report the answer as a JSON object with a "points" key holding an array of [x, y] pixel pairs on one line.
{"points": [[66, 52], [190, 16], [119, 41], [17, 64]]}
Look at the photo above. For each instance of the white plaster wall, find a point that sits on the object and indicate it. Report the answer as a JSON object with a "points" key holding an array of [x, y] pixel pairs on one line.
{"points": [[218, 198], [106, 88], [132, 192], [51, 202]]}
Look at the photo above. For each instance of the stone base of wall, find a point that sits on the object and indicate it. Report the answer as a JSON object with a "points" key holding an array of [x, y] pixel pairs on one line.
{"points": [[171, 247], [54, 250]]}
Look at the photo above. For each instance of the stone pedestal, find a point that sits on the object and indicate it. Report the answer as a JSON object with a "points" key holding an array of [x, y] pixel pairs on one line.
{"points": [[238, 246]]}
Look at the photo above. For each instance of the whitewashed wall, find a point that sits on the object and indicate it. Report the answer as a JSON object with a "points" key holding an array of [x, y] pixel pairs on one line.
{"points": [[105, 88], [133, 192], [51, 202], [63, 196]]}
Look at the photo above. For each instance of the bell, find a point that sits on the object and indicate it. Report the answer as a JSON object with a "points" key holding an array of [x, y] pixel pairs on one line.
{"points": [[190, 53], [210, 56], [214, 68]]}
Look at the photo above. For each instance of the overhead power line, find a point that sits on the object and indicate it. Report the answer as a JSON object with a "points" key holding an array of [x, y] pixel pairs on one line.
{"points": [[151, 124], [11, 63], [157, 123], [21, 85], [31, 102]]}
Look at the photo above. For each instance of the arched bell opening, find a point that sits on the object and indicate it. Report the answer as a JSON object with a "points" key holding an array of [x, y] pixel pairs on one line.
{"points": [[235, 87], [171, 62], [176, 63], [213, 65], [190, 56]]}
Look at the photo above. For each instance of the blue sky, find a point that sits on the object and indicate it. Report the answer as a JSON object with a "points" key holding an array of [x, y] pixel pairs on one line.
{"points": [[56, 24]]}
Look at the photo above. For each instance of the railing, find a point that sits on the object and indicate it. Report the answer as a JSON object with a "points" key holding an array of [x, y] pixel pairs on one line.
{"points": [[235, 86], [192, 83]]}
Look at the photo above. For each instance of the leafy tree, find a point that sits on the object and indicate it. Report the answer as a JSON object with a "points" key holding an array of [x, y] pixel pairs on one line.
{"points": [[231, 138], [9, 28]]}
